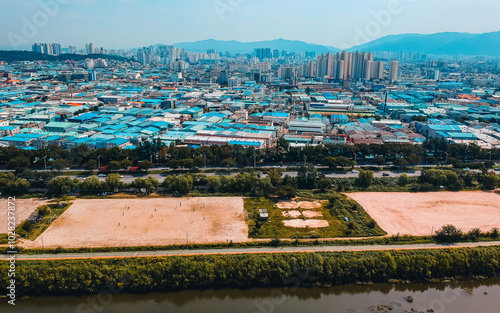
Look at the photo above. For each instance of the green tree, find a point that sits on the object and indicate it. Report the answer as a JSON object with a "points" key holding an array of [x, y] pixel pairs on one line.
{"points": [[145, 165], [286, 192], [114, 166], [150, 184], [401, 163], [214, 183], [92, 185], [228, 162], [379, 160], [182, 184], [59, 164], [114, 182], [62, 185], [329, 161], [275, 177], [19, 163], [434, 176], [324, 183], [403, 179], [199, 161], [365, 178], [449, 233], [10, 185], [90, 165], [490, 181], [188, 163], [125, 164], [345, 162]]}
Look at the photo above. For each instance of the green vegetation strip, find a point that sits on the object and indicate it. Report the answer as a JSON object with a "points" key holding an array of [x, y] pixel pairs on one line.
{"points": [[64, 277]]}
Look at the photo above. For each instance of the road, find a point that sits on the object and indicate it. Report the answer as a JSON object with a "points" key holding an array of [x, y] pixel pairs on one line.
{"points": [[103, 255], [349, 174]]}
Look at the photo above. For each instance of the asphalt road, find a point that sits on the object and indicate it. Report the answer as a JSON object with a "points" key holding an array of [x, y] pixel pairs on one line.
{"points": [[348, 174], [101, 255]]}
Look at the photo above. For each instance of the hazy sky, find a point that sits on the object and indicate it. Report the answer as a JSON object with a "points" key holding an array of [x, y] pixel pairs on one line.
{"points": [[134, 23]]}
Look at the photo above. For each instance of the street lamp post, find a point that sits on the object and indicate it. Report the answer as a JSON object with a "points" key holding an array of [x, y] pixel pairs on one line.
{"points": [[98, 162], [45, 162]]}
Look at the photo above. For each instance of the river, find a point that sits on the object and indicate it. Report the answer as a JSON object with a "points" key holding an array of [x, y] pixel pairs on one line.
{"points": [[461, 297]]}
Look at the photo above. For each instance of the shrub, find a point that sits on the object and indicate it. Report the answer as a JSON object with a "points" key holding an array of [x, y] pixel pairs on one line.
{"points": [[474, 234], [449, 233], [372, 224]]}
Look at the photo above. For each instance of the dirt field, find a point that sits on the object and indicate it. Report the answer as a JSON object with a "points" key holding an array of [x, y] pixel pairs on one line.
{"points": [[24, 208], [306, 223], [417, 213], [144, 222]]}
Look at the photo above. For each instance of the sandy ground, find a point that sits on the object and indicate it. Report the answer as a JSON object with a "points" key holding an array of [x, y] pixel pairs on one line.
{"points": [[296, 205], [293, 214], [304, 224], [417, 213], [144, 222], [309, 214], [24, 208]]}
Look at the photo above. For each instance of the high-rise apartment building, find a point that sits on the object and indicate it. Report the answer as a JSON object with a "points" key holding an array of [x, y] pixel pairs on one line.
{"points": [[393, 71], [47, 48], [263, 53], [90, 48], [347, 65]]}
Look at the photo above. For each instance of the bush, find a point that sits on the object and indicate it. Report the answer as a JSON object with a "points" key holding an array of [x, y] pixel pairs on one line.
{"points": [[372, 224], [449, 233], [494, 233], [474, 234]]}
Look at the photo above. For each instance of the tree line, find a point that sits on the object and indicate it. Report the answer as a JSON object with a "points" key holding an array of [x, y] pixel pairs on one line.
{"points": [[433, 151], [63, 277], [249, 182]]}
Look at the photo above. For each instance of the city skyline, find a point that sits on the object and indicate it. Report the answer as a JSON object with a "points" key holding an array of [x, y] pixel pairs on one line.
{"points": [[168, 22]]}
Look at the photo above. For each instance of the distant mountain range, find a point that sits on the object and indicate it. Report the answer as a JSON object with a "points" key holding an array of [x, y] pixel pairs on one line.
{"points": [[453, 44], [441, 43], [234, 46]]}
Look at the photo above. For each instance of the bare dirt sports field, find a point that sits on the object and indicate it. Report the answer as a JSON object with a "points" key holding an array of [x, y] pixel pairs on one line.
{"points": [[24, 208], [146, 222], [417, 213]]}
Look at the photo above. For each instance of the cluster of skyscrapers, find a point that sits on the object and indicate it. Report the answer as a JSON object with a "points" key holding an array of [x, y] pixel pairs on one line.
{"points": [[47, 48], [55, 49], [357, 65]]}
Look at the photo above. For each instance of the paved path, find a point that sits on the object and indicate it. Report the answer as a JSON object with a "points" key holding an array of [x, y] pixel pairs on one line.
{"points": [[102, 255]]}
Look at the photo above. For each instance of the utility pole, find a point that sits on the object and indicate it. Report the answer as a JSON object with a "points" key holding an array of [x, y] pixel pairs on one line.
{"points": [[98, 162], [254, 160], [305, 160], [446, 160], [45, 162]]}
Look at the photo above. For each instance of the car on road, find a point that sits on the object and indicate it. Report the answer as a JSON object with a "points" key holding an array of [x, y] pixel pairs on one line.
{"points": [[355, 171], [385, 175], [101, 175]]}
